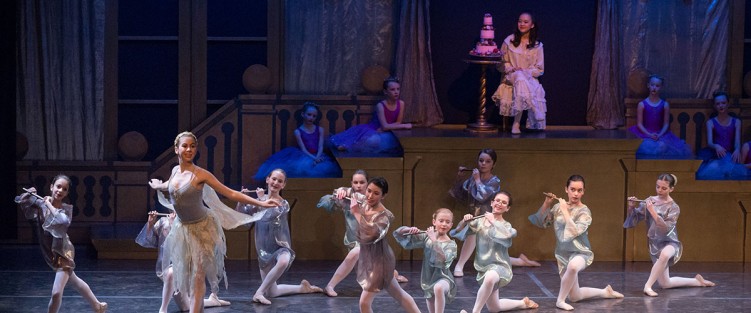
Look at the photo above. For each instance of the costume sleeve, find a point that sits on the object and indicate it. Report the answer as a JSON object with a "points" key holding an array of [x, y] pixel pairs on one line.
{"points": [[537, 68], [502, 233], [409, 242], [543, 218], [483, 191], [579, 223], [373, 232], [665, 225], [57, 222], [635, 216]]}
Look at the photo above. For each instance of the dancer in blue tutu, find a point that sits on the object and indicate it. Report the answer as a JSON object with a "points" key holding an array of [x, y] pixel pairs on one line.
{"points": [[653, 125], [722, 156], [308, 158], [746, 155], [376, 136]]}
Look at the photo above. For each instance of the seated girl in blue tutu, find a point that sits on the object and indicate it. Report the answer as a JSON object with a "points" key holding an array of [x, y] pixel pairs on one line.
{"points": [[653, 125], [376, 137], [722, 156], [308, 159]]}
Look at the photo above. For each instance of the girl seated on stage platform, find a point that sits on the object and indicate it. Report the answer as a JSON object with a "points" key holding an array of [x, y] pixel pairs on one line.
{"points": [[746, 155], [661, 215], [51, 219], [375, 267], [722, 156], [477, 193], [653, 125], [493, 235], [340, 200], [376, 136], [571, 219], [273, 241], [523, 64], [439, 251], [308, 159]]}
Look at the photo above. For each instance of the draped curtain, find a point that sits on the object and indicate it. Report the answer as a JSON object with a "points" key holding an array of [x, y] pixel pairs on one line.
{"points": [[605, 108], [329, 43], [414, 66], [59, 53], [686, 42]]}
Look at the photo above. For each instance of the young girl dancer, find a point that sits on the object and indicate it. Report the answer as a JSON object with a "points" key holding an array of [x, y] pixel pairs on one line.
{"points": [[153, 235], [308, 158], [375, 267], [571, 219], [51, 218], [653, 125], [523, 63], [195, 246], [493, 265], [477, 191], [439, 251], [722, 157], [273, 241], [375, 137], [339, 200], [661, 215]]}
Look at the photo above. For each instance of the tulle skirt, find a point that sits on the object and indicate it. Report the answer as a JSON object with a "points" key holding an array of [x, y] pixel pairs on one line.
{"points": [[366, 138], [722, 169], [667, 145], [298, 165], [196, 246], [519, 92]]}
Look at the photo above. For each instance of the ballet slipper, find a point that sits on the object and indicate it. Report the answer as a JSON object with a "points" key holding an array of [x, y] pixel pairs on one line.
{"points": [[458, 273], [102, 307], [612, 294], [329, 291], [703, 282], [261, 299], [306, 287], [401, 279], [564, 306], [214, 301], [527, 261], [529, 304], [515, 129], [650, 292], [341, 148], [463, 311]]}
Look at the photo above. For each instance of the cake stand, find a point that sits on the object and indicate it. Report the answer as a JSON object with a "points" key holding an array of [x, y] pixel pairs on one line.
{"points": [[482, 125]]}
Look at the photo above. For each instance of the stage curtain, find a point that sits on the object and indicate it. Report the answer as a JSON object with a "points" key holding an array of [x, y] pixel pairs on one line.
{"points": [[413, 64], [605, 108], [686, 42], [59, 53], [329, 43]]}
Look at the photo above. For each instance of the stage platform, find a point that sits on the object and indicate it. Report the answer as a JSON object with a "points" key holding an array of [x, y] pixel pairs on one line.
{"points": [[131, 286]]}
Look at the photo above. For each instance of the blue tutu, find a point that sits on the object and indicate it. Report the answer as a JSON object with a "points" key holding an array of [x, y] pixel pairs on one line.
{"points": [[668, 145], [722, 169], [366, 138], [298, 165]]}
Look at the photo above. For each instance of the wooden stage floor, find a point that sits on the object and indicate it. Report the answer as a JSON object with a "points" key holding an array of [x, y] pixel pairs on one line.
{"points": [[131, 286]]}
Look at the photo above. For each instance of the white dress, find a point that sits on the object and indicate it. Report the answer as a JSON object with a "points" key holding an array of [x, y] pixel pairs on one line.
{"points": [[521, 90]]}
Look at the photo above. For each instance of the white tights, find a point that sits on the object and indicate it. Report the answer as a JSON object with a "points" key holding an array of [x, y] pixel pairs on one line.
{"points": [[396, 291], [62, 277]]}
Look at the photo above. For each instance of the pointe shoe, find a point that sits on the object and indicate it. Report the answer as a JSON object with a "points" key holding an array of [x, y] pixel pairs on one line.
{"points": [[214, 301], [650, 292], [306, 287], [102, 307], [527, 261], [458, 273], [261, 299], [329, 291]]}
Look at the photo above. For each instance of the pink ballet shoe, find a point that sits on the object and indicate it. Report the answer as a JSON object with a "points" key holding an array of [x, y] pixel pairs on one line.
{"points": [[458, 273], [102, 307]]}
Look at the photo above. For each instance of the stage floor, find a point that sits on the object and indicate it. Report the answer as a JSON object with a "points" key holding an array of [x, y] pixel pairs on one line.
{"points": [[131, 286]]}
